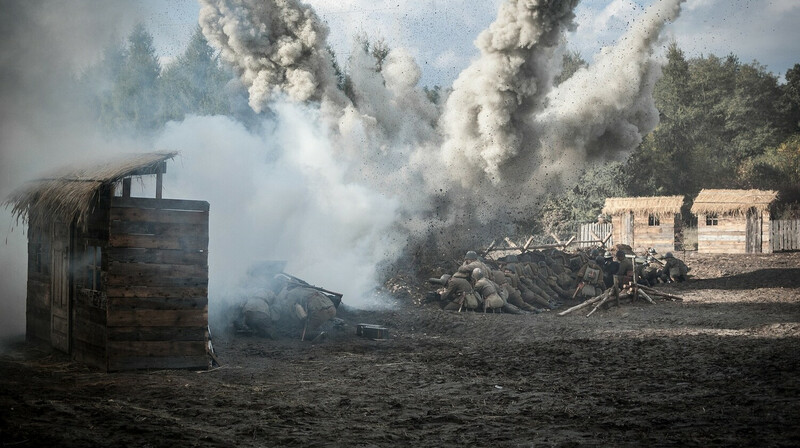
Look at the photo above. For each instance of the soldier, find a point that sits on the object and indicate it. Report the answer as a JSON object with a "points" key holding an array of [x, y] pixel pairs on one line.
{"points": [[624, 271], [674, 268], [257, 316], [471, 262], [590, 276], [487, 290], [650, 271], [459, 294], [610, 268], [509, 293], [309, 306]]}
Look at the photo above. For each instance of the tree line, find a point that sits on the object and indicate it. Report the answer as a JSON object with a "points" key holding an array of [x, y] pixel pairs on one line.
{"points": [[723, 123]]}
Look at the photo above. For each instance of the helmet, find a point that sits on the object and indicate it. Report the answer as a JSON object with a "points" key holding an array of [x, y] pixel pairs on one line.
{"points": [[651, 251], [542, 264], [477, 274], [668, 255], [607, 255], [471, 255], [512, 259], [525, 257], [599, 260]]}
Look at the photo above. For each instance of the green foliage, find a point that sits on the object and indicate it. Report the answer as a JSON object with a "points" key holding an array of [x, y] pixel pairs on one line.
{"points": [[570, 63], [715, 114], [194, 83], [584, 201]]}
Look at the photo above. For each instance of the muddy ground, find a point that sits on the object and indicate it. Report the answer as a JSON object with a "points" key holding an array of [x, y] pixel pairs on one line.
{"points": [[721, 368]]}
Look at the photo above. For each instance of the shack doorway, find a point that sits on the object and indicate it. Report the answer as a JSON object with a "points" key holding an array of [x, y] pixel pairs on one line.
{"points": [[753, 232], [60, 288]]}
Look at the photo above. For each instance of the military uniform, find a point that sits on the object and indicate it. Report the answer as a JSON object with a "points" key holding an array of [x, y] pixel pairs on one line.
{"points": [[675, 269], [459, 294]]}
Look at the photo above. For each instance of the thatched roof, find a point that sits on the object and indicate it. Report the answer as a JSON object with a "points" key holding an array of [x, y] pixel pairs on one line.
{"points": [[732, 201], [69, 192], [654, 205]]}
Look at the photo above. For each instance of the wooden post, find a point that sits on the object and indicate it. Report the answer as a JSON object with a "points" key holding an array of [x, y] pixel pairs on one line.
{"points": [[159, 184], [126, 187]]}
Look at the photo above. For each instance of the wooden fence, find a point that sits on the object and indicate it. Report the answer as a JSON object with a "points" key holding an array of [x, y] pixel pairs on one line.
{"points": [[591, 234], [785, 235]]}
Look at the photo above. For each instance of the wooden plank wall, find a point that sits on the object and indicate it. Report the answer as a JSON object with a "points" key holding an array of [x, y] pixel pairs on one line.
{"points": [[37, 304], [157, 284], [601, 230], [89, 305], [785, 235], [661, 237], [728, 237]]}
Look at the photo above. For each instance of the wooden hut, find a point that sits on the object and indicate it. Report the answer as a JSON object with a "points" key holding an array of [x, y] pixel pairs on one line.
{"points": [[119, 282], [646, 221], [733, 221]]}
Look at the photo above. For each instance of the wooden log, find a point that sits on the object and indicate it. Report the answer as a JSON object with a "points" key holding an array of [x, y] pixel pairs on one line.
{"points": [[156, 348], [164, 204], [157, 334], [585, 303], [660, 293], [132, 214], [158, 318], [156, 303], [644, 294], [157, 292], [599, 304], [175, 242], [116, 363], [156, 256]]}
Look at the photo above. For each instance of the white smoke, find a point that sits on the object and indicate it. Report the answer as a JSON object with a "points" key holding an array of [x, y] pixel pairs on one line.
{"points": [[603, 111], [278, 48], [484, 116], [337, 187]]}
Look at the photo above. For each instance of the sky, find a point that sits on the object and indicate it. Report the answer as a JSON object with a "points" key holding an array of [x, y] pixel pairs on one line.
{"points": [[440, 33]]}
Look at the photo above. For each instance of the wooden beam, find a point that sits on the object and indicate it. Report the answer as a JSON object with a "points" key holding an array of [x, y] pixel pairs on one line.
{"points": [[555, 238], [126, 187], [159, 184], [527, 243]]}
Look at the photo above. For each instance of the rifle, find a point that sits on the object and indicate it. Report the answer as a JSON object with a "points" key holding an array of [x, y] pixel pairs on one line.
{"points": [[336, 299]]}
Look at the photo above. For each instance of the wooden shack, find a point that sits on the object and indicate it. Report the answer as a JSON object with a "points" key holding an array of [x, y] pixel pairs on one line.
{"points": [[118, 282], [645, 222], [733, 221]]}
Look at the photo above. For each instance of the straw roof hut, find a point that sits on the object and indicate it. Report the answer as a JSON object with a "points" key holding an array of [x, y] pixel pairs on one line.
{"points": [[733, 202], [644, 222], [67, 194], [118, 282], [734, 221]]}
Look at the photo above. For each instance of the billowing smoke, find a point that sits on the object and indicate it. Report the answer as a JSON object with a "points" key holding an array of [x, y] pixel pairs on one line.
{"points": [[504, 122], [338, 185], [278, 48], [604, 111], [485, 115]]}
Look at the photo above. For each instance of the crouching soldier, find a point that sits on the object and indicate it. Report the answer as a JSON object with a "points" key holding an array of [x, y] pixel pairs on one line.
{"points": [[257, 315], [591, 280], [459, 294], [674, 268]]}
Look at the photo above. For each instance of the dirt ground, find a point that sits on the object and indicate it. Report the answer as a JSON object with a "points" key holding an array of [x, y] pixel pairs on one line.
{"points": [[721, 368]]}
